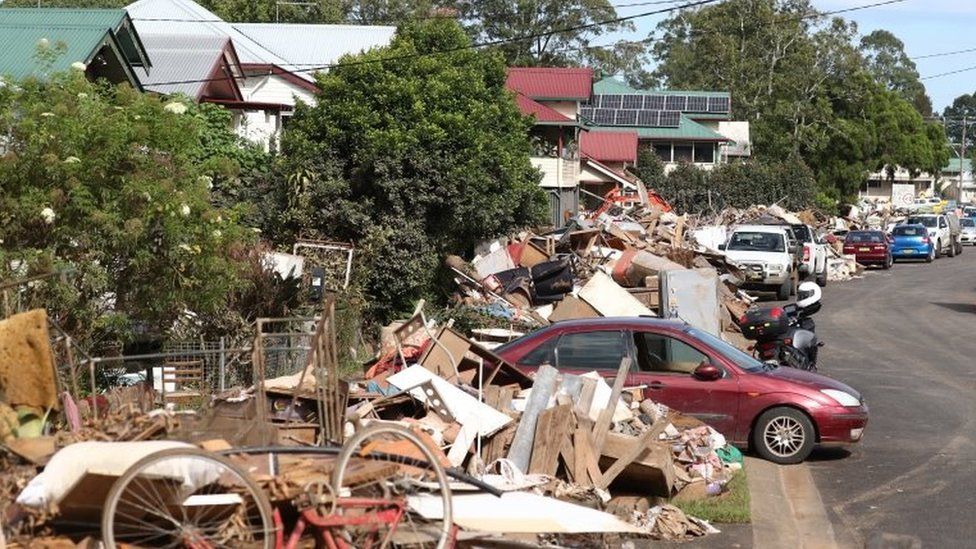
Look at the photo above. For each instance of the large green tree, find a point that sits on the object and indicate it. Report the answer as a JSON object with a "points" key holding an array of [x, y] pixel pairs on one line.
{"points": [[886, 60], [410, 154], [804, 86], [509, 21], [113, 187]]}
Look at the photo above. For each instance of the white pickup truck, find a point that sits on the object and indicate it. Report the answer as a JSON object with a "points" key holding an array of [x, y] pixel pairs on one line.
{"points": [[943, 229], [764, 254]]}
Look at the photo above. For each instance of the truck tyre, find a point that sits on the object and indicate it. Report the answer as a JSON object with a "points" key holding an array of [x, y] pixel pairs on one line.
{"points": [[783, 435], [784, 290], [938, 249], [952, 248], [931, 256], [822, 278]]}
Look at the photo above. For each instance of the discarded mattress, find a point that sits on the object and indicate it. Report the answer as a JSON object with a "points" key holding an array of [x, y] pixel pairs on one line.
{"points": [[73, 462]]}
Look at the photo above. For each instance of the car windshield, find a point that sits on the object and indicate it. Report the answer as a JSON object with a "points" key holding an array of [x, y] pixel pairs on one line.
{"points": [[967, 222], [757, 242], [909, 231], [864, 237], [741, 359], [927, 221]]}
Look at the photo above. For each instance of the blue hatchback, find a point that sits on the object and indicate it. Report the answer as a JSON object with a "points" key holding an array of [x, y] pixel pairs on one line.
{"points": [[912, 242]]}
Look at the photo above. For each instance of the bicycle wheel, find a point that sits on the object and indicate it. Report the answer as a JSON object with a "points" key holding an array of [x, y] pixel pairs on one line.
{"points": [[367, 505], [186, 497]]}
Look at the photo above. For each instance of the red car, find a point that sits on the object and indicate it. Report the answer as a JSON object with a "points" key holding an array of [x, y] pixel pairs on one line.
{"points": [[781, 413], [869, 247]]}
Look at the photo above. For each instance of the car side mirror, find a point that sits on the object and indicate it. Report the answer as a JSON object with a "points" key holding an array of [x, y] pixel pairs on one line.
{"points": [[721, 247], [706, 371]]}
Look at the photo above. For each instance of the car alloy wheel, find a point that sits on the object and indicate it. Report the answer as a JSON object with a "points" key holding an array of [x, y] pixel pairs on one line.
{"points": [[783, 435]]}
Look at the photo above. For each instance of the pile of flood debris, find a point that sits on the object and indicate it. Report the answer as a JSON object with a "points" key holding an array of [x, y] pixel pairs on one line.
{"points": [[638, 262], [568, 454]]}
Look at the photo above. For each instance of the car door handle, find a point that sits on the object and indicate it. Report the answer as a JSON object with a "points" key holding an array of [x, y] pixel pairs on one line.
{"points": [[655, 385]]}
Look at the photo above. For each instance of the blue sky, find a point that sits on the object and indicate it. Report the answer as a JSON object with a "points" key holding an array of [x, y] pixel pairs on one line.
{"points": [[925, 26]]}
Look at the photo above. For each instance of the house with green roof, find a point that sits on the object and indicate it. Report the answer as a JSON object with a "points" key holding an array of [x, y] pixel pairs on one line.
{"points": [[681, 126], [103, 40]]}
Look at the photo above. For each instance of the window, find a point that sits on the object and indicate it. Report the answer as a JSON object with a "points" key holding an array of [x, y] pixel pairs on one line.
{"points": [[540, 355], [591, 350], [942, 223], [684, 152], [705, 153], [661, 353], [967, 222], [865, 238], [663, 151], [928, 221], [909, 231], [874, 184], [757, 242]]}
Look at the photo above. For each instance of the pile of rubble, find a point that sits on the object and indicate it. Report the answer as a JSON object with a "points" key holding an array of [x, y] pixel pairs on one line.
{"points": [[639, 262]]}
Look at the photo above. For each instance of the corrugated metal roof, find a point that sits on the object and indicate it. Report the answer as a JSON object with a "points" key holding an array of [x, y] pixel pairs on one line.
{"points": [[18, 47], [295, 48], [609, 146], [687, 130], [543, 115], [116, 21], [75, 17], [181, 57], [304, 47], [613, 86], [551, 83]]}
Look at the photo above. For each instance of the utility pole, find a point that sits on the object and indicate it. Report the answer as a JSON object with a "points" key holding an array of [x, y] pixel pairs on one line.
{"points": [[962, 158]]}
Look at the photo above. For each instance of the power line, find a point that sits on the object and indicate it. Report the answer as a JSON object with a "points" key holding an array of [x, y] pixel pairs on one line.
{"points": [[517, 39], [949, 73], [477, 45], [943, 54]]}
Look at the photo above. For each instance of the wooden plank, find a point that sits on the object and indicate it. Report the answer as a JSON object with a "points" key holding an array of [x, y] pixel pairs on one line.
{"points": [[585, 402], [606, 415], [587, 467], [568, 454], [639, 445], [554, 426], [542, 443]]}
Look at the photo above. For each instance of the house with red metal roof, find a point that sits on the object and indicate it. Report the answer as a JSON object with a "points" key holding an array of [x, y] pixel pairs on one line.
{"points": [[587, 135]]}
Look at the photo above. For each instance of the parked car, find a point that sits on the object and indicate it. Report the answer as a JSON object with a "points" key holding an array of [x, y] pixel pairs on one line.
{"points": [[911, 242], [968, 234], [781, 413], [945, 233], [869, 247], [813, 258], [765, 254], [927, 204]]}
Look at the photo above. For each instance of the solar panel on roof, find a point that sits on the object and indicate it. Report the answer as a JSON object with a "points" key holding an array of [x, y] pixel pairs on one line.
{"points": [[648, 119], [718, 104], [603, 117], [670, 119], [587, 113], [654, 102], [611, 101], [633, 101], [676, 103], [697, 103], [626, 117]]}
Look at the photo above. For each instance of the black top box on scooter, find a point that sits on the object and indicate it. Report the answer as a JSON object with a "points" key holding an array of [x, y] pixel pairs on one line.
{"points": [[759, 323]]}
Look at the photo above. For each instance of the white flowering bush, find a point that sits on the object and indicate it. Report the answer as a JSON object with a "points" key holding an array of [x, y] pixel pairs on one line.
{"points": [[106, 182]]}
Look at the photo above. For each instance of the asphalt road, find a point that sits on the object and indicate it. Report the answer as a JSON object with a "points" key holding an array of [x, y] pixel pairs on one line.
{"points": [[905, 338]]}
